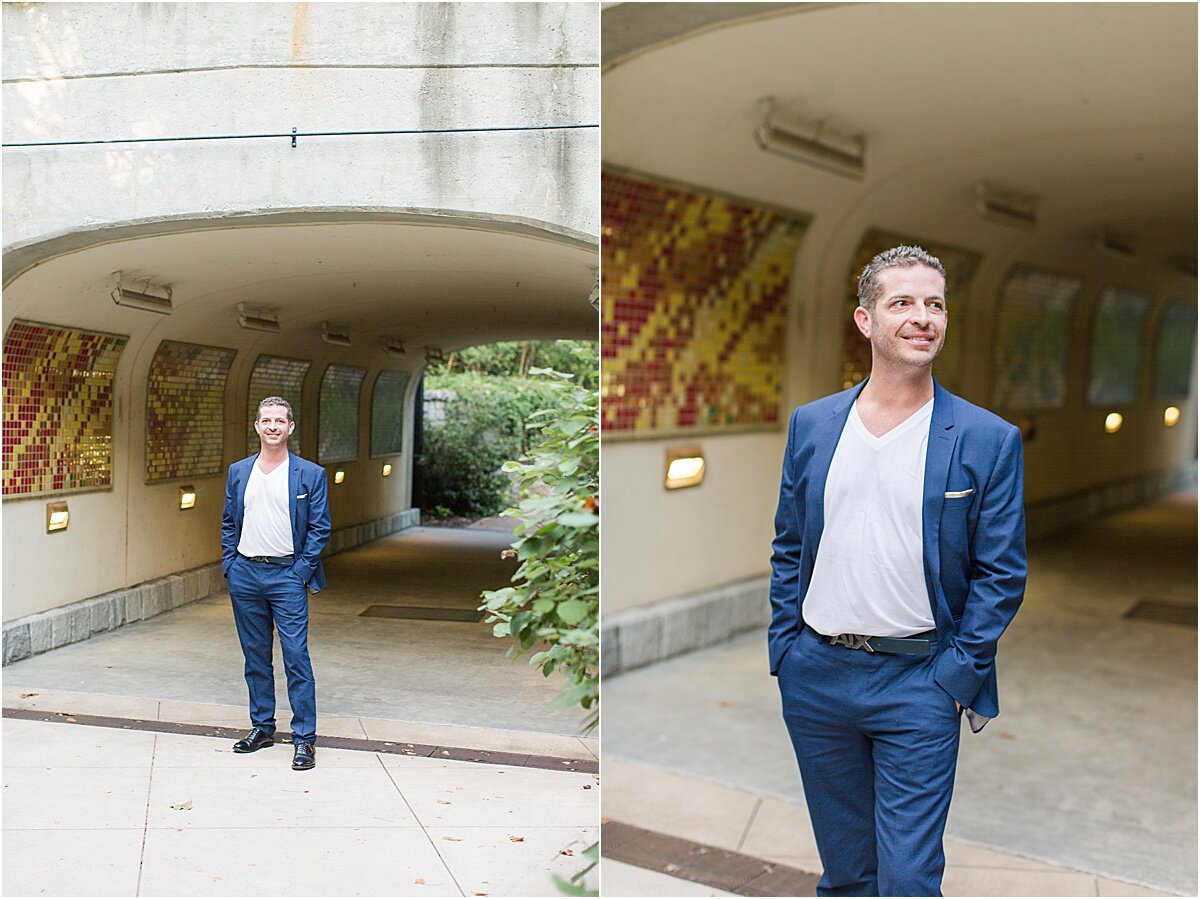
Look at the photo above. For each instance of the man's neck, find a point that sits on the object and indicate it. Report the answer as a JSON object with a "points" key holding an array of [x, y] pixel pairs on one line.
{"points": [[898, 390], [271, 457]]}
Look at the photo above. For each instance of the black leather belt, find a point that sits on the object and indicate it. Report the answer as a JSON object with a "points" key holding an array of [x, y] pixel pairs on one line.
{"points": [[272, 560], [916, 645]]}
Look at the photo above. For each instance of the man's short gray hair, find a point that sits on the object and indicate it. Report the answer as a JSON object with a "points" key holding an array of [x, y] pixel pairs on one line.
{"points": [[869, 286], [274, 401]]}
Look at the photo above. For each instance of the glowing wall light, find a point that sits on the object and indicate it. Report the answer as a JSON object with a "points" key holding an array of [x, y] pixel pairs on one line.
{"points": [[387, 469], [1113, 422], [1171, 416], [57, 517], [187, 497], [685, 467], [339, 476]]}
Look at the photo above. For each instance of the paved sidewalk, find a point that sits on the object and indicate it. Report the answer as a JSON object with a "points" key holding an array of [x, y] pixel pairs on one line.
{"points": [[102, 811]]}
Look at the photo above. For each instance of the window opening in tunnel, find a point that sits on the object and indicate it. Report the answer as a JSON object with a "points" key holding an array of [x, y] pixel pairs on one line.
{"points": [[474, 408]]}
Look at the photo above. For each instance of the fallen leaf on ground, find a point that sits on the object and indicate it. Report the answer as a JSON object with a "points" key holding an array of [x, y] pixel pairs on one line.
{"points": [[184, 806], [28, 693], [513, 839], [1005, 735], [453, 839], [724, 704], [445, 752], [605, 820], [443, 802], [477, 893], [587, 786], [671, 869], [420, 880], [566, 851]]}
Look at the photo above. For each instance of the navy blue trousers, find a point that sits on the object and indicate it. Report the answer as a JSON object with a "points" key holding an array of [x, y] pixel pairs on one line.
{"points": [[267, 598], [877, 743]]}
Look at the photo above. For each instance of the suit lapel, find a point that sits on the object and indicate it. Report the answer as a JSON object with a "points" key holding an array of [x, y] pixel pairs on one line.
{"points": [[293, 492], [940, 450]]}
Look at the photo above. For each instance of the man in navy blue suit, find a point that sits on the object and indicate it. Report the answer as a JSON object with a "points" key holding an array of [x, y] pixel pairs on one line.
{"points": [[898, 561], [275, 524]]}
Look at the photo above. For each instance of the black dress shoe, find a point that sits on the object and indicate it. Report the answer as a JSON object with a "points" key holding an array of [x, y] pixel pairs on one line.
{"points": [[305, 757], [255, 740]]}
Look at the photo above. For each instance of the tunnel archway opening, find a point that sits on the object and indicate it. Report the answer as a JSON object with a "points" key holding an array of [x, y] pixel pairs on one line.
{"points": [[475, 411]]}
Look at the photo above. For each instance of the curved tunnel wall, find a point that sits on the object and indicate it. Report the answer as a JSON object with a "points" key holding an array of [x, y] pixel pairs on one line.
{"points": [[479, 227], [711, 544]]}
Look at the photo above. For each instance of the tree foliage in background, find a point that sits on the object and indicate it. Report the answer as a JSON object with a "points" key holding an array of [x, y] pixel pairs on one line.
{"points": [[519, 357], [554, 607], [486, 420], [485, 425]]}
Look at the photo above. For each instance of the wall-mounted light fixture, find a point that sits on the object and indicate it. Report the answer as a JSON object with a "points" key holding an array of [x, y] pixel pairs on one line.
{"points": [[811, 143], [387, 469], [1006, 205], [257, 318], [685, 467], [1113, 422], [147, 302], [58, 516], [334, 338], [339, 476], [394, 346], [187, 497], [1171, 416]]}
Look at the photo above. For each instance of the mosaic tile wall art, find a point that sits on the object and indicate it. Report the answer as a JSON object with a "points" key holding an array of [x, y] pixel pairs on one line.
{"points": [[1032, 334], [337, 415], [185, 410], [387, 413], [693, 309], [1117, 327], [1173, 353], [960, 266], [58, 408], [275, 376]]}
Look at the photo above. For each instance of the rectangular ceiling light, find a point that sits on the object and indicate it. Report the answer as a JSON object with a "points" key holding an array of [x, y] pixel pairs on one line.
{"points": [[187, 497], [809, 143], [1006, 206], [685, 467], [335, 338], [57, 517], [394, 346], [133, 299], [257, 319]]}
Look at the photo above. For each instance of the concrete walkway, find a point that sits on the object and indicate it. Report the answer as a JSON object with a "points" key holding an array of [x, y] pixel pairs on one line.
{"points": [[1086, 784], [131, 810]]}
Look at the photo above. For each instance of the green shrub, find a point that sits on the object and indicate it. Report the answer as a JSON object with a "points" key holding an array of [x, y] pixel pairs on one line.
{"points": [[555, 603], [484, 426]]}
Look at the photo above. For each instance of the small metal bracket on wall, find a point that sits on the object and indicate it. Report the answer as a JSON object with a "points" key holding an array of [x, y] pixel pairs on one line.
{"points": [[293, 138]]}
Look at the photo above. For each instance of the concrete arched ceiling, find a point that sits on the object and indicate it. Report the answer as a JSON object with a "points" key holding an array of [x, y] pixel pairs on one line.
{"points": [[1089, 107], [440, 285]]}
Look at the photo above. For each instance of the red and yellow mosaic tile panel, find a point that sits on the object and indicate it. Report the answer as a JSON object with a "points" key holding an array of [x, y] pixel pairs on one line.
{"points": [[185, 404], [960, 266], [58, 408], [275, 376], [693, 309]]}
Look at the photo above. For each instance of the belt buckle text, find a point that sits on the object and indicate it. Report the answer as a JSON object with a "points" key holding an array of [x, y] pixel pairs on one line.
{"points": [[852, 641]]}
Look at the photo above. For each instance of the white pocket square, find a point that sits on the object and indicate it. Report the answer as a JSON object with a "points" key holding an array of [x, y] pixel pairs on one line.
{"points": [[305, 496], [954, 494]]}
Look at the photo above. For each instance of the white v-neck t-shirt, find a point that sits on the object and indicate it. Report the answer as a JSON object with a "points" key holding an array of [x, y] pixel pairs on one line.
{"points": [[869, 577], [267, 522]]}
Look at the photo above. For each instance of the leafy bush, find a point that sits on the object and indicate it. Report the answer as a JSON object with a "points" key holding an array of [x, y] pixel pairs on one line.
{"points": [[484, 426], [519, 357], [555, 604]]}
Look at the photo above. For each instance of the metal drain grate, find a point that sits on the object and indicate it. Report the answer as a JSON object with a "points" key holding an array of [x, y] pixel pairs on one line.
{"points": [[1164, 612], [733, 872], [420, 613]]}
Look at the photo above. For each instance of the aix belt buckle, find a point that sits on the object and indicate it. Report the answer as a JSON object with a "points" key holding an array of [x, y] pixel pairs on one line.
{"points": [[853, 641]]}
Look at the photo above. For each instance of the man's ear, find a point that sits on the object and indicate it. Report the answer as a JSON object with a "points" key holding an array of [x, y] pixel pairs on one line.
{"points": [[862, 318]]}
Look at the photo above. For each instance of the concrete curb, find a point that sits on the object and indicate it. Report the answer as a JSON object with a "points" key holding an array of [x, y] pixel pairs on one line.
{"points": [[77, 621]]}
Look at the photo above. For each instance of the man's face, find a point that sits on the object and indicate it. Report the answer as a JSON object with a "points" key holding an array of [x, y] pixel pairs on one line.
{"points": [[273, 426], [907, 327]]}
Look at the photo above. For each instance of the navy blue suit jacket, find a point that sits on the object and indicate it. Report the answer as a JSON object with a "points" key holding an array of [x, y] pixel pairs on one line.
{"points": [[309, 501], [973, 526]]}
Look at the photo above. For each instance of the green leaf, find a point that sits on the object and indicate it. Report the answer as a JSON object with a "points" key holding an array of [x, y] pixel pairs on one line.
{"points": [[578, 519], [572, 611]]}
